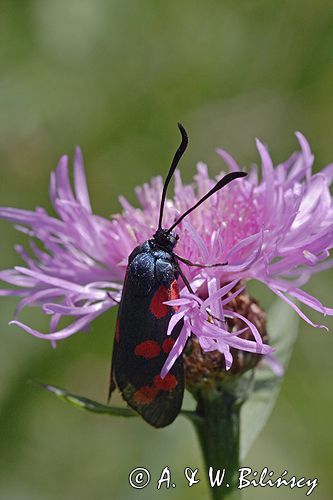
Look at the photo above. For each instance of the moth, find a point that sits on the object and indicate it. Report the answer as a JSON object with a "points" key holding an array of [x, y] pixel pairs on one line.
{"points": [[141, 345]]}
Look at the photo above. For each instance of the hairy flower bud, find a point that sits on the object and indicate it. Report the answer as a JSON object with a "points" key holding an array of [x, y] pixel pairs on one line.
{"points": [[207, 370]]}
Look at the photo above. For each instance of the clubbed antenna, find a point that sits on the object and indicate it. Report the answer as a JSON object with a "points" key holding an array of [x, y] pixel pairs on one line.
{"points": [[219, 185], [179, 153]]}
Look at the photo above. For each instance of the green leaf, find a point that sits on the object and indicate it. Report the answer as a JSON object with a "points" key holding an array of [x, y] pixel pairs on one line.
{"points": [[90, 405], [282, 330], [87, 404]]}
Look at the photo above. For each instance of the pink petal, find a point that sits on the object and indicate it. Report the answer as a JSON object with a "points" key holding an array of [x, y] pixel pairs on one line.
{"points": [[81, 189]]}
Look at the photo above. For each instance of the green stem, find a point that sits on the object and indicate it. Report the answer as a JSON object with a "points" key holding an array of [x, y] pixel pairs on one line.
{"points": [[218, 432]]}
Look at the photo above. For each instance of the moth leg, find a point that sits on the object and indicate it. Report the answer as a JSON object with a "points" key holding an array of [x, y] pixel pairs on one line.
{"points": [[188, 286], [112, 384], [182, 275], [112, 387], [189, 263], [109, 294]]}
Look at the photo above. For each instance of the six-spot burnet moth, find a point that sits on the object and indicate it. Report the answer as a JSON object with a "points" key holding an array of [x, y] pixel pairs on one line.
{"points": [[141, 345]]}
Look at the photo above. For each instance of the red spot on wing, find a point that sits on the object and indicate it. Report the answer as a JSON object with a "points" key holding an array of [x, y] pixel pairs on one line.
{"points": [[157, 307], [163, 294], [167, 345], [167, 383], [148, 349], [145, 395], [174, 292], [117, 331]]}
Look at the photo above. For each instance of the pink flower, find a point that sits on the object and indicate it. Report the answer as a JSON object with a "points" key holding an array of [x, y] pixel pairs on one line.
{"points": [[277, 230]]}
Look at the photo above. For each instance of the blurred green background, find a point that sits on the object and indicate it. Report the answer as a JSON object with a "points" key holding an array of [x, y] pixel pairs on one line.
{"points": [[115, 77]]}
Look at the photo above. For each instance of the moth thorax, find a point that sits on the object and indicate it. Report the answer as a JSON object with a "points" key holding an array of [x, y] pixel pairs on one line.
{"points": [[165, 239]]}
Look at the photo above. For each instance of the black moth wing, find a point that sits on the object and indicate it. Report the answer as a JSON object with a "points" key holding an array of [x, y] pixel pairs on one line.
{"points": [[141, 345]]}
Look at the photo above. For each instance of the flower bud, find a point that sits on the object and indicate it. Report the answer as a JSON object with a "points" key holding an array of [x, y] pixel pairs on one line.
{"points": [[207, 370]]}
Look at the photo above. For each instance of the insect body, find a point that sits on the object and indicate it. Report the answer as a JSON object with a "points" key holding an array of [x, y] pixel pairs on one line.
{"points": [[141, 345]]}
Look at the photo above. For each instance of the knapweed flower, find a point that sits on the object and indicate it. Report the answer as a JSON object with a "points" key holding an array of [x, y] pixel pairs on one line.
{"points": [[277, 229]]}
